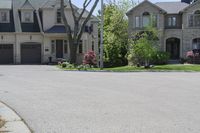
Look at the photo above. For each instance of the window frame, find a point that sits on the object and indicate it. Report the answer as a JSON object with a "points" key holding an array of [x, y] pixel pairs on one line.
{"points": [[146, 15], [66, 44], [172, 21], [7, 14], [61, 20], [80, 47], [137, 22], [53, 46], [23, 18]]}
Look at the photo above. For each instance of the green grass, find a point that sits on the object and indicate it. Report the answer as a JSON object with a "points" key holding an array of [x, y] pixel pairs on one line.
{"points": [[195, 68], [157, 68]]}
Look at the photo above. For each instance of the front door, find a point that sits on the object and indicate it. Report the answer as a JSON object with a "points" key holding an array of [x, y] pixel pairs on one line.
{"points": [[59, 48], [173, 47]]}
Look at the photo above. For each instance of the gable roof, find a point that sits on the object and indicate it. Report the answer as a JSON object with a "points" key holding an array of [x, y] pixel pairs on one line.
{"points": [[27, 5], [52, 3], [191, 5], [172, 7], [145, 1], [6, 4], [86, 13]]}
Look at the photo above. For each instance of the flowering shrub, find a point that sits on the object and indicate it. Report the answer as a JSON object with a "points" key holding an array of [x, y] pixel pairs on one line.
{"points": [[90, 58], [193, 56]]}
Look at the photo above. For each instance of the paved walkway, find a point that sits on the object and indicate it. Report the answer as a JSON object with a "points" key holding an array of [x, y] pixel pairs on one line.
{"points": [[13, 122], [53, 101]]}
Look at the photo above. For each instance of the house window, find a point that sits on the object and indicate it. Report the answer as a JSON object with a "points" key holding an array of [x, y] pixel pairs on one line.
{"points": [[137, 22], [80, 48], [196, 43], [27, 16], [154, 21], [194, 19], [92, 45], [172, 21], [65, 46], [53, 46], [197, 18], [58, 16], [146, 19], [4, 18]]}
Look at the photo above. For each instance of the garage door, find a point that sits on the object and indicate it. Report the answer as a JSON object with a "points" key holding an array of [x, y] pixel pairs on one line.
{"points": [[6, 53], [31, 53]]}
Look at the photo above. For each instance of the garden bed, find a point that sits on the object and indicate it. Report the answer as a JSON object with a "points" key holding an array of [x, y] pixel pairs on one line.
{"points": [[157, 68]]}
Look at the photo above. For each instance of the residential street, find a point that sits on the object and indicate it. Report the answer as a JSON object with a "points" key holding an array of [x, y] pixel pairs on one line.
{"points": [[55, 101]]}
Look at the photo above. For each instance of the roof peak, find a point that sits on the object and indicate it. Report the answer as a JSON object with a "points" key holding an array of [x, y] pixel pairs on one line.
{"points": [[27, 5]]}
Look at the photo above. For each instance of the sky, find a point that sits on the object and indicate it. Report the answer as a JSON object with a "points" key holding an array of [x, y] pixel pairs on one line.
{"points": [[79, 3]]}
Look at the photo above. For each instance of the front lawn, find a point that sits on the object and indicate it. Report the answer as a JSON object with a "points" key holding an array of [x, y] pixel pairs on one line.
{"points": [[157, 68], [187, 68]]}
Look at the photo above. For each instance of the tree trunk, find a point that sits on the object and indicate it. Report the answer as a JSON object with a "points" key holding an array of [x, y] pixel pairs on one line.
{"points": [[73, 52]]}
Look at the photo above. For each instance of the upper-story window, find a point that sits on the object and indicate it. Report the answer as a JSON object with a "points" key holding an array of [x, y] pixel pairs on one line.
{"points": [[137, 22], [146, 19], [197, 18], [194, 19], [58, 17], [27, 16], [4, 18], [172, 21]]}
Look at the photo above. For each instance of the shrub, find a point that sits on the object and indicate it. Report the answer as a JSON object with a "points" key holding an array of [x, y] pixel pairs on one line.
{"points": [[160, 58], [193, 56], [183, 60], [67, 65], [83, 67], [90, 58]]}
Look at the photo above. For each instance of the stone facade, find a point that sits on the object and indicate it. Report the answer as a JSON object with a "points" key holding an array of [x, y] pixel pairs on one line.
{"points": [[181, 31]]}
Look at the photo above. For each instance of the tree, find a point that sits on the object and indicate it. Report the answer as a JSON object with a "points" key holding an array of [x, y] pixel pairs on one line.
{"points": [[115, 32], [74, 35], [144, 47]]}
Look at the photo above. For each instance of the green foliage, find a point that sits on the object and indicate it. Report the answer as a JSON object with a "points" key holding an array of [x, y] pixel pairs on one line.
{"points": [[115, 33], [67, 65], [160, 58], [144, 47], [83, 67]]}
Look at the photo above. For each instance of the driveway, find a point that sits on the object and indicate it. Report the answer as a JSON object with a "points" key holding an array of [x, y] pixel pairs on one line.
{"points": [[54, 101]]}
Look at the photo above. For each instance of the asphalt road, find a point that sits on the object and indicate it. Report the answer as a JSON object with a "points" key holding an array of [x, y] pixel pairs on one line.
{"points": [[54, 101]]}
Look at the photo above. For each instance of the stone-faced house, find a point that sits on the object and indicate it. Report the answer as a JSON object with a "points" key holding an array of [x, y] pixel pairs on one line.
{"points": [[31, 31], [178, 24]]}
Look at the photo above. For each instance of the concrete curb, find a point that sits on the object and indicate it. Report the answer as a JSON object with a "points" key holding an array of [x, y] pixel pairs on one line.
{"points": [[14, 123]]}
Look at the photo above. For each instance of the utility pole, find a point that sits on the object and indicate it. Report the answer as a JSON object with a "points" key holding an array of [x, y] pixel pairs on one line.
{"points": [[101, 41]]}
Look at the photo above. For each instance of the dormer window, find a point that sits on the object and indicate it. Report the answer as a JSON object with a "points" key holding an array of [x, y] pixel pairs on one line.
{"points": [[27, 16], [58, 17], [4, 16]]}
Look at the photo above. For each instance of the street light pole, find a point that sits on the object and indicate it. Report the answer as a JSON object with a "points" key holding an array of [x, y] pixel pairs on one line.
{"points": [[101, 41]]}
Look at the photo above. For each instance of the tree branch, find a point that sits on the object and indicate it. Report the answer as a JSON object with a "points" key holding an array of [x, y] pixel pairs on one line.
{"points": [[85, 5], [67, 26], [73, 11], [87, 19]]}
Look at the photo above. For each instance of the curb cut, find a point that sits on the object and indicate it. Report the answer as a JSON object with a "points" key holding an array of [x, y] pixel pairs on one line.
{"points": [[14, 123]]}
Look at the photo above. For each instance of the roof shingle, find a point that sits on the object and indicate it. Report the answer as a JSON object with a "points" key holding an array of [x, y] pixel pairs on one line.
{"points": [[172, 7]]}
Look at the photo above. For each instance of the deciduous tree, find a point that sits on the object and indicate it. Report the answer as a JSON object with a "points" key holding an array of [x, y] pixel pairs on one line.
{"points": [[75, 33]]}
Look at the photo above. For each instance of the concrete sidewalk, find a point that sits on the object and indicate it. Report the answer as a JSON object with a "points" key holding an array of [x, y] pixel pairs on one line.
{"points": [[14, 124]]}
